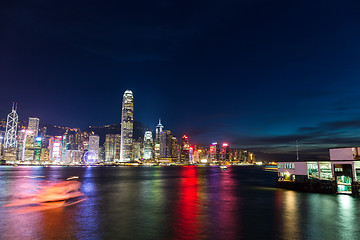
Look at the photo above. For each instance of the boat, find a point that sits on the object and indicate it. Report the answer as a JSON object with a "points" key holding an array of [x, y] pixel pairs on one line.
{"points": [[223, 167], [60, 194]]}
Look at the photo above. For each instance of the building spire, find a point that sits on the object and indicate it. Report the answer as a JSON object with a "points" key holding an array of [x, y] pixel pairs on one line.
{"points": [[160, 125]]}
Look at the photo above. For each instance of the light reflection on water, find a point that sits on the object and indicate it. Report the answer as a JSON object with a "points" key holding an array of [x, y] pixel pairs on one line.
{"points": [[175, 203]]}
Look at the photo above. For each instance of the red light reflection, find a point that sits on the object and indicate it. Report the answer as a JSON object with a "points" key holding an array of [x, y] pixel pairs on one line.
{"points": [[187, 225]]}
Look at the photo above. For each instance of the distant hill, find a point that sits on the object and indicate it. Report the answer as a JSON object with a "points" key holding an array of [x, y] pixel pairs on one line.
{"points": [[139, 130]]}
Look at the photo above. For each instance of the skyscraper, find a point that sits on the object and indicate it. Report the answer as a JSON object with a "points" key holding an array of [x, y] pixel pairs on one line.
{"points": [[127, 126], [137, 153], [160, 139], [225, 152], [214, 152], [33, 125], [94, 145], [29, 141], [55, 147], [37, 147], [11, 128], [148, 145], [10, 135], [184, 150], [174, 149], [112, 147], [158, 131]]}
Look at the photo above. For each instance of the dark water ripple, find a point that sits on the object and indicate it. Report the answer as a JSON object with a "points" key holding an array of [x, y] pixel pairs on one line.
{"points": [[175, 203]]}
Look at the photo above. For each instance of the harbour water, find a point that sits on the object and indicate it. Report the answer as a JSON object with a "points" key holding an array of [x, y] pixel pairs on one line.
{"points": [[173, 203]]}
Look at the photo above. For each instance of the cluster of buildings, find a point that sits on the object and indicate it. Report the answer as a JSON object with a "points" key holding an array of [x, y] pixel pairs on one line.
{"points": [[31, 145]]}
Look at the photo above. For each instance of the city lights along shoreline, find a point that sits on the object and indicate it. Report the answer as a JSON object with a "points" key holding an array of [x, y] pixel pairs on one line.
{"points": [[31, 144]]}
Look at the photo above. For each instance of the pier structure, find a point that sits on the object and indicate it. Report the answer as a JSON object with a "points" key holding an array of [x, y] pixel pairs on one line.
{"points": [[340, 174]]}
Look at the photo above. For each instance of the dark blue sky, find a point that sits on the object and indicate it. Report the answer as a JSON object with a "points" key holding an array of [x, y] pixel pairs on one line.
{"points": [[256, 74]]}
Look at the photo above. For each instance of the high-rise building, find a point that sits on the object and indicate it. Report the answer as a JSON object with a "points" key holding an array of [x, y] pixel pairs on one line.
{"points": [[29, 146], [20, 144], [94, 145], [200, 155], [11, 128], [37, 147], [191, 154], [160, 138], [225, 152], [127, 126], [101, 154], [33, 125], [136, 156], [1, 145], [214, 152], [29, 140], [55, 149], [168, 143], [10, 135], [158, 131], [64, 147], [175, 149], [157, 152], [148, 145], [45, 155], [117, 147], [184, 150], [112, 147], [81, 140], [72, 157]]}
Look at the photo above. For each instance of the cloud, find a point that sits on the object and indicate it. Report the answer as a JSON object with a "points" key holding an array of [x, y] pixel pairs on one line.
{"points": [[314, 142]]}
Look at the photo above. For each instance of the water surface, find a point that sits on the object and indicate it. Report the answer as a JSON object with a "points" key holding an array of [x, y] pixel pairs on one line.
{"points": [[174, 203]]}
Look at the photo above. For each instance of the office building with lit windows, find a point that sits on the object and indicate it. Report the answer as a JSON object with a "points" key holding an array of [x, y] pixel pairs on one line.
{"points": [[184, 150], [127, 126], [55, 149], [148, 146], [112, 148], [94, 145]]}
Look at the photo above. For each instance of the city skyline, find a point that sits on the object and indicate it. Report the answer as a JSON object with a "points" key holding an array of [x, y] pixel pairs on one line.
{"points": [[31, 144], [259, 74]]}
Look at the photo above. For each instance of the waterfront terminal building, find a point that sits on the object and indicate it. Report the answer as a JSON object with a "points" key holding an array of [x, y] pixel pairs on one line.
{"points": [[340, 174]]}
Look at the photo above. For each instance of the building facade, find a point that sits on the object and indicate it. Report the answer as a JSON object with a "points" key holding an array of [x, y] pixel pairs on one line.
{"points": [[10, 143], [94, 141], [148, 146], [127, 121]]}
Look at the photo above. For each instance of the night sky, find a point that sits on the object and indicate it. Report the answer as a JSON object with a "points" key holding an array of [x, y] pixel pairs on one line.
{"points": [[256, 74]]}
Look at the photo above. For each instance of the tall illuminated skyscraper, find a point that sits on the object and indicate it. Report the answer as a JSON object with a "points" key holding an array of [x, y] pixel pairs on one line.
{"points": [[112, 147], [10, 143], [225, 152], [11, 128], [184, 149], [94, 145], [148, 145], [29, 141], [55, 147], [127, 126], [33, 125], [160, 139], [214, 152], [37, 146]]}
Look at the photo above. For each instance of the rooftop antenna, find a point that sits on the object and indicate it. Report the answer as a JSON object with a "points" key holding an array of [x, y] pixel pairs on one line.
{"points": [[297, 151]]}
